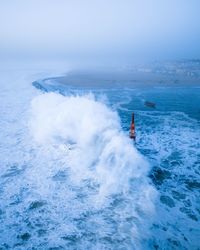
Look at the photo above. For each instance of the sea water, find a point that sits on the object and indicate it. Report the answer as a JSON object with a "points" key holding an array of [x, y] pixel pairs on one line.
{"points": [[72, 179]]}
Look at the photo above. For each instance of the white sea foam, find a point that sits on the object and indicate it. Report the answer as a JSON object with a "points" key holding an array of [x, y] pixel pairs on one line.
{"points": [[101, 150], [80, 182]]}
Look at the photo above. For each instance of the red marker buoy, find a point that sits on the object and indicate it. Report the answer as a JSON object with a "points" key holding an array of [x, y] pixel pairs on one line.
{"points": [[132, 128]]}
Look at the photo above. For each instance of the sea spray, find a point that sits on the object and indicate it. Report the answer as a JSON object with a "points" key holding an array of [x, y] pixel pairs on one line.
{"points": [[97, 154], [44, 206]]}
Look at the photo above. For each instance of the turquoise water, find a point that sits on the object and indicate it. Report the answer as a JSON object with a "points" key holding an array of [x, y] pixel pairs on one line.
{"points": [[72, 179], [169, 138]]}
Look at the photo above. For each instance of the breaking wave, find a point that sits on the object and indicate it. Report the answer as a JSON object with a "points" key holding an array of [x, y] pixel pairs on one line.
{"points": [[101, 172]]}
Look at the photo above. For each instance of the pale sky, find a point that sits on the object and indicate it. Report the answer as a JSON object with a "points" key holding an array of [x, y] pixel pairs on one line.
{"points": [[162, 28]]}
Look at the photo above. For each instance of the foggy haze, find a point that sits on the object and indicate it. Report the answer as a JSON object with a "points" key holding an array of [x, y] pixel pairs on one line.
{"points": [[141, 28]]}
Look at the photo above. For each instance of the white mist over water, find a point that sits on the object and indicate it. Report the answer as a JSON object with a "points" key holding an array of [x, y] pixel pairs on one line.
{"points": [[80, 183], [97, 148], [170, 141], [70, 177]]}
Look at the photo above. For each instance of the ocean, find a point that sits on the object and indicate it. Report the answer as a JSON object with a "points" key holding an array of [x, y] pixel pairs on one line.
{"points": [[71, 178]]}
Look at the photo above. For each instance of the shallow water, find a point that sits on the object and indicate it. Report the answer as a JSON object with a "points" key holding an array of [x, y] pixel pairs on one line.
{"points": [[72, 179]]}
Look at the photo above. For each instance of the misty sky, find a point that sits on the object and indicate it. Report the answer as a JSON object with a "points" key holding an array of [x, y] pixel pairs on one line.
{"points": [[155, 28]]}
